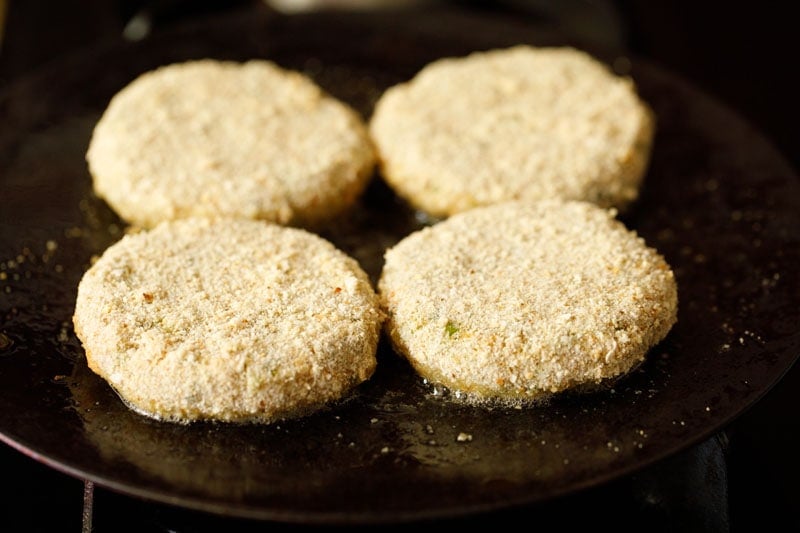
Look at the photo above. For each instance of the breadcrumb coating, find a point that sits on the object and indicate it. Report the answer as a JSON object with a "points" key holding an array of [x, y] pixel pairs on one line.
{"points": [[221, 138], [232, 320], [521, 123], [517, 301]]}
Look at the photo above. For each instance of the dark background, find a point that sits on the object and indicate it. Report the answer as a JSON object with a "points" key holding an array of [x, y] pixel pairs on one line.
{"points": [[742, 53]]}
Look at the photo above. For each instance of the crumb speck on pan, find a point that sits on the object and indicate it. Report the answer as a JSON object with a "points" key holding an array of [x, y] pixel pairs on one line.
{"points": [[464, 437], [5, 341]]}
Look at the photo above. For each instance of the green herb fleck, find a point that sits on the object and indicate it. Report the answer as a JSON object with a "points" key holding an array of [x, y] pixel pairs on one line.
{"points": [[450, 328]]}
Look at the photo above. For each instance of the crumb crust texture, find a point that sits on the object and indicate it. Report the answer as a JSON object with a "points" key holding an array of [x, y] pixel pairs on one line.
{"points": [[223, 138], [228, 320], [520, 123], [518, 301]]}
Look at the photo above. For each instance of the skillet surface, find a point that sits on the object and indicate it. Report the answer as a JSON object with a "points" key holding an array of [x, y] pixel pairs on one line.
{"points": [[719, 202]]}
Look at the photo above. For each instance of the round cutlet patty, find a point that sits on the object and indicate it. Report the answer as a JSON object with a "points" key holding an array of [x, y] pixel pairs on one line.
{"points": [[521, 123], [517, 301], [222, 138], [231, 320]]}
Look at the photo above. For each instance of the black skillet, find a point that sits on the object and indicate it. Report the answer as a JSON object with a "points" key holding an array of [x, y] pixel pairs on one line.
{"points": [[719, 202]]}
